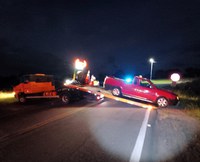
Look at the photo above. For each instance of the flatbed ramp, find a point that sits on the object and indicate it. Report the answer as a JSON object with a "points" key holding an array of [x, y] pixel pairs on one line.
{"points": [[108, 94]]}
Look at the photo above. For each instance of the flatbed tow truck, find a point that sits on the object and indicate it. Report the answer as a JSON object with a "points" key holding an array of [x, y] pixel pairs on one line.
{"points": [[41, 86]]}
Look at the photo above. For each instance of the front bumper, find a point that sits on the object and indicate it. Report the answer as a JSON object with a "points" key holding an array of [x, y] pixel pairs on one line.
{"points": [[175, 101]]}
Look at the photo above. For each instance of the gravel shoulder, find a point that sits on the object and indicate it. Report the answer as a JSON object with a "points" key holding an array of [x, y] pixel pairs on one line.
{"points": [[177, 137]]}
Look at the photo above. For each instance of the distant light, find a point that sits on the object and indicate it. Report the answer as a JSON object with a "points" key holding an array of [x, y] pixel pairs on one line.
{"points": [[68, 81], [175, 77], [151, 60], [5, 95]]}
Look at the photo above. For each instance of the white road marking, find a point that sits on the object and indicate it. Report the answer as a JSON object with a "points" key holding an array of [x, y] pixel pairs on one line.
{"points": [[137, 151]]}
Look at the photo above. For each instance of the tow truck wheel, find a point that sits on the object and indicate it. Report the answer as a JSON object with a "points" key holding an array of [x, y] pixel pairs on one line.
{"points": [[65, 98], [162, 102], [116, 91], [22, 99]]}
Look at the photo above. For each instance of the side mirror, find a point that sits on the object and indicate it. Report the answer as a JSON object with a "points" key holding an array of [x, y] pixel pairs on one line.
{"points": [[150, 86]]}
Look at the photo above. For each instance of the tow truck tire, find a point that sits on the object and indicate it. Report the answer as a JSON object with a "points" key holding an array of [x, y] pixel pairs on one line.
{"points": [[65, 98], [116, 91], [22, 99], [162, 102]]}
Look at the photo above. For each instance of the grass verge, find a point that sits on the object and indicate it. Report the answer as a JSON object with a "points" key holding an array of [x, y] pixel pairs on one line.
{"points": [[162, 81], [7, 97], [190, 102]]}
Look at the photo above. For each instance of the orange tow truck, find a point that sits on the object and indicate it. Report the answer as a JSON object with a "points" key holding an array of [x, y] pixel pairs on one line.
{"points": [[35, 86]]}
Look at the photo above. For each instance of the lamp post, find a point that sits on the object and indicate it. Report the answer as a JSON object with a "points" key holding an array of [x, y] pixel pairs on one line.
{"points": [[152, 61]]}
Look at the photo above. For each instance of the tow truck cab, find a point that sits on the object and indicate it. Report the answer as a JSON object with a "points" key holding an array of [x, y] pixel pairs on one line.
{"points": [[35, 86]]}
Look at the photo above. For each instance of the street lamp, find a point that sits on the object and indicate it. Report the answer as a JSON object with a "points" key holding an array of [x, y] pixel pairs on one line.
{"points": [[152, 61]]}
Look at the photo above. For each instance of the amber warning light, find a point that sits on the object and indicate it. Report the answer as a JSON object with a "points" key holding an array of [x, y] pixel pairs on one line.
{"points": [[80, 65]]}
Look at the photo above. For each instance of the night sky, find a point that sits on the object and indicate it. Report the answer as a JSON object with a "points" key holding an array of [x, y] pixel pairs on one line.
{"points": [[46, 36]]}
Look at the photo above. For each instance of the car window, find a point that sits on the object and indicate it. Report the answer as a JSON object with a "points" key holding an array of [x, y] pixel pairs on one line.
{"points": [[145, 83], [135, 81]]}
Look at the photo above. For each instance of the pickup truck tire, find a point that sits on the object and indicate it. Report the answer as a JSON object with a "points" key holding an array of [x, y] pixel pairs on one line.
{"points": [[116, 91], [21, 98], [65, 98], [162, 102]]}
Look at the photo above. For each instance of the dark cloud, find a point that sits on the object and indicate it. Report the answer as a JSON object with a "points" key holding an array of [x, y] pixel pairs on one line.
{"points": [[18, 61], [129, 31]]}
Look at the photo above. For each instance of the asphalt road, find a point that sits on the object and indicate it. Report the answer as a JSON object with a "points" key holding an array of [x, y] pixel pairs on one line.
{"points": [[106, 131]]}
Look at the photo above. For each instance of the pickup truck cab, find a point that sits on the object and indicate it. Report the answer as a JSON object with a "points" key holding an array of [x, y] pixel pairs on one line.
{"points": [[142, 89]]}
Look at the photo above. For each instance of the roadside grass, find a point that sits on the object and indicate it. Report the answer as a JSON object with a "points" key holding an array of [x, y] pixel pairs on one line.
{"points": [[190, 104], [189, 94], [162, 81], [7, 97], [193, 112], [7, 100]]}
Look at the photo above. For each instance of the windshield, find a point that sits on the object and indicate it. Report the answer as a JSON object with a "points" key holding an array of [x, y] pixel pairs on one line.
{"points": [[36, 78]]}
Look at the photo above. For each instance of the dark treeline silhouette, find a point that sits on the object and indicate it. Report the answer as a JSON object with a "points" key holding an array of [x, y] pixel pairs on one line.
{"points": [[186, 73], [7, 83], [18, 60]]}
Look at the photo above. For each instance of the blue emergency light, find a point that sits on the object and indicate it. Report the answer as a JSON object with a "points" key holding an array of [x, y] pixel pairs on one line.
{"points": [[128, 79]]}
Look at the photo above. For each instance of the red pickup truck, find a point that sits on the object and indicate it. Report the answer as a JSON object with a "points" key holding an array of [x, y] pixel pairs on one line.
{"points": [[141, 89]]}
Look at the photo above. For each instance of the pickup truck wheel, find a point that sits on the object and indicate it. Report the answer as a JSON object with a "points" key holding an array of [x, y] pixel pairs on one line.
{"points": [[116, 92], [22, 99], [65, 98], [162, 102]]}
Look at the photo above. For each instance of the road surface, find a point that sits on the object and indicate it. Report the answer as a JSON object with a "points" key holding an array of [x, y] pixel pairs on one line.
{"points": [[95, 131]]}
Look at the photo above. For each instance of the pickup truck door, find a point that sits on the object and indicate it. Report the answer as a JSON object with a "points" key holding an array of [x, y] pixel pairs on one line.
{"points": [[131, 90], [146, 90], [140, 89]]}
